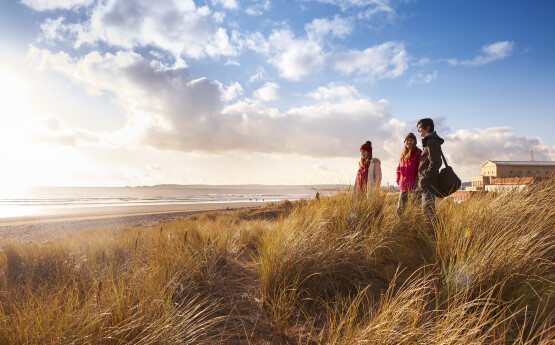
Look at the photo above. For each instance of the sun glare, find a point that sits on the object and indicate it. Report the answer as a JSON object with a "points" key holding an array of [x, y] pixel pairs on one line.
{"points": [[13, 128], [12, 94]]}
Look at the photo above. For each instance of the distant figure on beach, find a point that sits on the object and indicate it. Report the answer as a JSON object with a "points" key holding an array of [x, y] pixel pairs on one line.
{"points": [[428, 169], [317, 196], [407, 171], [369, 174]]}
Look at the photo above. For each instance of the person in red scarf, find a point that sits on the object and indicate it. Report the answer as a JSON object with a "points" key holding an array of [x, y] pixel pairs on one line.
{"points": [[369, 174], [407, 171]]}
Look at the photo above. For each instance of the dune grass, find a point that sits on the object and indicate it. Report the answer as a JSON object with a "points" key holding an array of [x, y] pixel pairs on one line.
{"points": [[339, 270]]}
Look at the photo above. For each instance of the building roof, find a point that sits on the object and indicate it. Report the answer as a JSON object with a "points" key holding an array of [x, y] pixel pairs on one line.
{"points": [[521, 163], [512, 180]]}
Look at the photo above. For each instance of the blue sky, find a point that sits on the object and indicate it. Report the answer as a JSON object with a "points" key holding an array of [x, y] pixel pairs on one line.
{"points": [[121, 92]]}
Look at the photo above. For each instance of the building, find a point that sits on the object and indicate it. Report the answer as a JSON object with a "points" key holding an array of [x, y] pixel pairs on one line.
{"points": [[506, 169], [503, 176], [461, 195], [509, 184], [478, 183]]}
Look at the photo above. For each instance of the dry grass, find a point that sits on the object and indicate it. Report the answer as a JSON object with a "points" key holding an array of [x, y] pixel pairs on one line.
{"points": [[333, 271]]}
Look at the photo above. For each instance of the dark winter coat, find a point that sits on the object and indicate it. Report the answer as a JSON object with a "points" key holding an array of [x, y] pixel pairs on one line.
{"points": [[430, 162]]}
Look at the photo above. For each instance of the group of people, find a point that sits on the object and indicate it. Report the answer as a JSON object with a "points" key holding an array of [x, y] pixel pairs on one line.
{"points": [[417, 172]]}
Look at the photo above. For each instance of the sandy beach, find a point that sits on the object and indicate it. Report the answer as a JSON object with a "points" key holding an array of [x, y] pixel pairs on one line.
{"points": [[61, 221]]}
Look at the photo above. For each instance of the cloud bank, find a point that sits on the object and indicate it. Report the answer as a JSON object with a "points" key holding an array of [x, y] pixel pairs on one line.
{"points": [[169, 110]]}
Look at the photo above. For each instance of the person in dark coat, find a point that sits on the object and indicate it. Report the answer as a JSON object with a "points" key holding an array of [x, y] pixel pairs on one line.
{"points": [[428, 169]]}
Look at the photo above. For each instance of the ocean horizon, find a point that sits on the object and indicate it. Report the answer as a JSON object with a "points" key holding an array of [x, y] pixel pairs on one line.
{"points": [[28, 201]]}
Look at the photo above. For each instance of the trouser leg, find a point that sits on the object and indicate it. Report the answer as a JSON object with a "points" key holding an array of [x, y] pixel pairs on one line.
{"points": [[429, 204], [402, 201]]}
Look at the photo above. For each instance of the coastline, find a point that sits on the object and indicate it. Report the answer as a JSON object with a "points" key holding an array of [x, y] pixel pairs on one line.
{"points": [[61, 221]]}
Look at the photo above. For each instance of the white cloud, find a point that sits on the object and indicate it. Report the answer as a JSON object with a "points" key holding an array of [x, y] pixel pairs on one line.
{"points": [[176, 26], [373, 12], [492, 52], [467, 150], [421, 77], [43, 5], [323, 130], [257, 42], [294, 57], [498, 50], [421, 62], [260, 74], [51, 29], [93, 70], [231, 62], [52, 130], [334, 91], [258, 8], [229, 4], [267, 93], [220, 45], [387, 60], [320, 27], [374, 6], [232, 92]]}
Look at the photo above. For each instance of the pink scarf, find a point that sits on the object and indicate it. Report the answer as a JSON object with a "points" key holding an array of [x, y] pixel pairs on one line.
{"points": [[362, 178]]}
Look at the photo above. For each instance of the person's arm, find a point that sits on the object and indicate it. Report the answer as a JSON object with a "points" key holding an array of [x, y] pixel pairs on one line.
{"points": [[378, 172], [374, 175], [434, 158], [414, 168], [398, 174], [370, 181]]}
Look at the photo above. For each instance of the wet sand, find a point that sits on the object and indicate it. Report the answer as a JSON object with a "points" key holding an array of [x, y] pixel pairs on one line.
{"points": [[59, 222]]}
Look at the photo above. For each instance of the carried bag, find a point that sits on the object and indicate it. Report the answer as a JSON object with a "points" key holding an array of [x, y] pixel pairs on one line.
{"points": [[449, 182]]}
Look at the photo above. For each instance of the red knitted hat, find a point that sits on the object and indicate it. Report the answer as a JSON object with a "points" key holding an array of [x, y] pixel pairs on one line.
{"points": [[367, 146], [411, 135]]}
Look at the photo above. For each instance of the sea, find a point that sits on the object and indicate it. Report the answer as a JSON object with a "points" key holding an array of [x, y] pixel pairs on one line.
{"points": [[29, 201]]}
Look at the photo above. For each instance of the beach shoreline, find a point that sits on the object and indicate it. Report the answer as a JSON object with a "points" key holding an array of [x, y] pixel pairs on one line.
{"points": [[61, 221]]}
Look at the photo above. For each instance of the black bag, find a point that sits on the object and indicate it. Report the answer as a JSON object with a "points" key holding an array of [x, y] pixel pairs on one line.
{"points": [[449, 182]]}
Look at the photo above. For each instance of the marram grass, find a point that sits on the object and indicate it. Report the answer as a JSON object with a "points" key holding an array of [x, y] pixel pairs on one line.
{"points": [[339, 270]]}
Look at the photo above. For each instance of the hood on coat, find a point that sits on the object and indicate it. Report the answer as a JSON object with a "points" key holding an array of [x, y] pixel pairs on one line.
{"points": [[434, 136]]}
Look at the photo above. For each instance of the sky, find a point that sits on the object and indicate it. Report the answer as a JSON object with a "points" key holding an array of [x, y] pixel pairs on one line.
{"points": [[140, 92]]}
